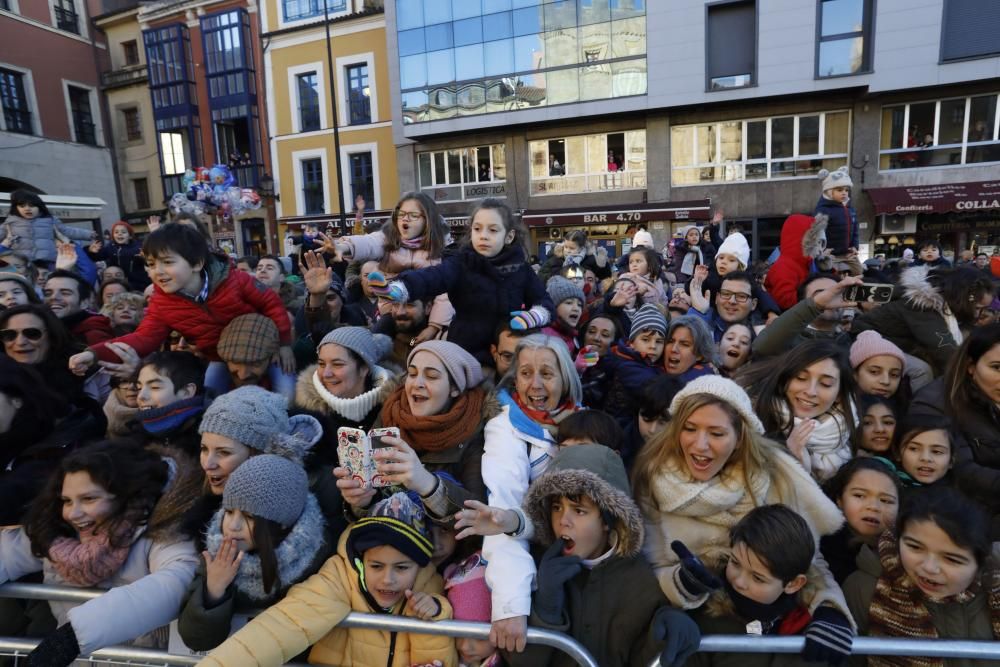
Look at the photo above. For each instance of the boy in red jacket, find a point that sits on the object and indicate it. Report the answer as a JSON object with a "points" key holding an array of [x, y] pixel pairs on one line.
{"points": [[195, 293]]}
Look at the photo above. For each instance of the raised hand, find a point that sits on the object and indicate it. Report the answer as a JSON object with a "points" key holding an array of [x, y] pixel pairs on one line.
{"points": [[221, 569], [318, 276], [480, 519], [153, 223], [66, 256], [694, 576]]}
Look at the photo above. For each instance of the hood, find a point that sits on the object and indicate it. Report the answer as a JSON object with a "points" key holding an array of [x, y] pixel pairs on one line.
{"points": [[218, 267], [918, 291], [801, 237], [594, 471]]}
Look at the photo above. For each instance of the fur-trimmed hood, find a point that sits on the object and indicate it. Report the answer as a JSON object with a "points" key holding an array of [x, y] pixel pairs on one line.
{"points": [[918, 291], [594, 471], [803, 237]]}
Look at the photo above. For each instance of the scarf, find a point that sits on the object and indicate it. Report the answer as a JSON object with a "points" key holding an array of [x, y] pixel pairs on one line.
{"points": [[721, 501], [574, 259], [119, 415], [435, 433], [354, 409], [412, 244], [898, 607], [777, 618], [692, 258], [164, 421], [829, 446], [90, 559], [547, 419]]}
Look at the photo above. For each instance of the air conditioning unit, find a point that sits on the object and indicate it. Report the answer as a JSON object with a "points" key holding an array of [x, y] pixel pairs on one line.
{"points": [[895, 224], [555, 234]]}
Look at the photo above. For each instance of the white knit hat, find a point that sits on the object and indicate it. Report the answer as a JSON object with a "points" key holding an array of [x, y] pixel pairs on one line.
{"points": [[736, 245], [723, 388], [838, 178]]}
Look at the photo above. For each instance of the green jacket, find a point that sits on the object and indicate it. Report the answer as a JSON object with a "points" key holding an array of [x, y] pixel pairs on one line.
{"points": [[792, 328]]}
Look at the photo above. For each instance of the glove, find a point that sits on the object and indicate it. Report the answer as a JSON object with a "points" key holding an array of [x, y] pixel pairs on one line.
{"points": [[59, 649], [383, 288], [522, 320], [554, 571], [585, 358], [694, 576], [679, 631], [828, 637]]}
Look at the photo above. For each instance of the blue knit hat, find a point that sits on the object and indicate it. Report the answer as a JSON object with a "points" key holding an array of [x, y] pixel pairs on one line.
{"points": [[648, 317]]}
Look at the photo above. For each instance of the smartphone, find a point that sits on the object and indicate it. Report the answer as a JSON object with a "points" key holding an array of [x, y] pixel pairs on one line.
{"points": [[869, 293], [355, 451]]}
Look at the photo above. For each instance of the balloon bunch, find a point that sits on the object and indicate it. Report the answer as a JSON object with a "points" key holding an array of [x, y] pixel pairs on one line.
{"points": [[213, 190]]}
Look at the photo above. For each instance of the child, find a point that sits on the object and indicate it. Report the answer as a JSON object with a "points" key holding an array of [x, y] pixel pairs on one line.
{"points": [[576, 251], [867, 491], [644, 269], [414, 238], [32, 231], [171, 400], [469, 596], [932, 578], [734, 348], [733, 256], [569, 301], [487, 280], [631, 364], [590, 427], [771, 551], [879, 364], [878, 424], [690, 251], [842, 228], [924, 451], [124, 252], [382, 566], [268, 535], [929, 252], [197, 293]]}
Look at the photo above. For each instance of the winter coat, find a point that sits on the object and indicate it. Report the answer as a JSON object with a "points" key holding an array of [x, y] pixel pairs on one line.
{"points": [[681, 250], [309, 614], [975, 437], [792, 328], [718, 617], [554, 264], [484, 292], [920, 323], [300, 555], [765, 302], [952, 620], [563, 332], [627, 373], [37, 237], [368, 247], [128, 257], [842, 225], [700, 514], [517, 450], [145, 593], [608, 608], [801, 240], [231, 293], [89, 328]]}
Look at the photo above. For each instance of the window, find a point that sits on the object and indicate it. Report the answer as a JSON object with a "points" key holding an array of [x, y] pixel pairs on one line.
{"points": [[312, 186], [759, 149], [141, 188], [133, 128], [362, 179], [308, 101], [227, 61], [970, 29], [16, 114], [5, 5], [66, 17], [464, 173], [940, 133], [130, 51], [172, 147], [359, 95], [83, 119], [589, 163], [296, 10], [731, 45], [168, 54], [844, 37]]}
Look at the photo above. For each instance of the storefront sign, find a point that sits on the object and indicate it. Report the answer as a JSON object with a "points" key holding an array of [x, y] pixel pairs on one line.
{"points": [[634, 214], [443, 193], [979, 196]]}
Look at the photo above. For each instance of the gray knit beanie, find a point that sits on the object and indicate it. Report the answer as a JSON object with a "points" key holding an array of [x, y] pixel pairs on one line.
{"points": [[648, 317], [259, 419], [268, 487], [370, 347], [560, 289]]}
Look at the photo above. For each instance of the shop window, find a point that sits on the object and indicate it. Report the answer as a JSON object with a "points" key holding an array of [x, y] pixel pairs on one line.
{"points": [[731, 40], [589, 163], [456, 174], [969, 29], [940, 133], [844, 37]]}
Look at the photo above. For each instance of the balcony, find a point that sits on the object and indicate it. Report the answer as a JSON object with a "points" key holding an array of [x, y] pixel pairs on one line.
{"points": [[126, 76]]}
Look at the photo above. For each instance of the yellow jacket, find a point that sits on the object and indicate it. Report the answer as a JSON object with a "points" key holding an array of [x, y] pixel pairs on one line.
{"points": [[309, 614]]}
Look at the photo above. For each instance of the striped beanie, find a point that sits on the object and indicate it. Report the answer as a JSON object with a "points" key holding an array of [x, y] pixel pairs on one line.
{"points": [[648, 317], [396, 521]]}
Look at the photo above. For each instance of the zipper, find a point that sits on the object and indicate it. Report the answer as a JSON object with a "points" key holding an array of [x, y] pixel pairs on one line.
{"points": [[392, 648]]}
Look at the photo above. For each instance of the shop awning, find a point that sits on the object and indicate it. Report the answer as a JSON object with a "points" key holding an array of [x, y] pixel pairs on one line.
{"points": [[627, 213], [936, 198]]}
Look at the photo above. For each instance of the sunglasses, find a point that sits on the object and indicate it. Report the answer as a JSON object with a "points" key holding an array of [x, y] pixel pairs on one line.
{"points": [[31, 333]]}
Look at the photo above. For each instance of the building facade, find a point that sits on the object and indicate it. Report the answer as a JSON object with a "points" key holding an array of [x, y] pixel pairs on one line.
{"points": [[605, 113], [53, 134], [325, 164]]}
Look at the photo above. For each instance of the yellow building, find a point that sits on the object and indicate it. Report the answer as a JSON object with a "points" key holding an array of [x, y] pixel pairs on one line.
{"points": [[300, 115], [131, 116]]}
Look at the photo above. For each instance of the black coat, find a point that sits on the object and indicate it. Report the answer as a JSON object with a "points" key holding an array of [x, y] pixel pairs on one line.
{"points": [[483, 291], [129, 258]]}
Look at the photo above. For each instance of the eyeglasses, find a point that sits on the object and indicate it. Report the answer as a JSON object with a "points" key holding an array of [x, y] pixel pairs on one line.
{"points": [[410, 215], [739, 297], [31, 333]]}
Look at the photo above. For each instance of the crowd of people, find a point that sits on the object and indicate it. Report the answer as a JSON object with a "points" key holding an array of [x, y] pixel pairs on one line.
{"points": [[634, 452]]}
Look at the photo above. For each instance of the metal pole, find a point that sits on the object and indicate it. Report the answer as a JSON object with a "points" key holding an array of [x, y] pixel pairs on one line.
{"points": [[336, 122]]}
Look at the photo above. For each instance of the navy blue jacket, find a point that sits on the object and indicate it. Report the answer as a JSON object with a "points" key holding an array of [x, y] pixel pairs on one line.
{"points": [[483, 291], [842, 229], [129, 258]]}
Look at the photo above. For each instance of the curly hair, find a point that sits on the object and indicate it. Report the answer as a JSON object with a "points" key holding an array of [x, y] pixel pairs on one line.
{"points": [[133, 475], [138, 301]]}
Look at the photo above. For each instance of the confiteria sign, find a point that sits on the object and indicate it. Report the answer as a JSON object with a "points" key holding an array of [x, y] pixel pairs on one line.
{"points": [[981, 195]]}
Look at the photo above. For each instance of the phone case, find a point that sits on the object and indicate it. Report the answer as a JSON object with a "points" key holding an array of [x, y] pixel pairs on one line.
{"points": [[354, 449]]}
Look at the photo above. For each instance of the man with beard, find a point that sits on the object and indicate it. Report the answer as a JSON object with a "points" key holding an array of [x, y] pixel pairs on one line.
{"points": [[247, 346], [817, 315], [403, 324]]}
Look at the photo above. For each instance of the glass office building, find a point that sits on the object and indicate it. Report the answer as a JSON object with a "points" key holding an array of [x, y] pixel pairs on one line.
{"points": [[471, 57]]}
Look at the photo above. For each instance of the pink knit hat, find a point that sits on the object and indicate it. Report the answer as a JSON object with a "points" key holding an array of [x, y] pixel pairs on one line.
{"points": [[465, 371], [465, 585], [870, 344]]}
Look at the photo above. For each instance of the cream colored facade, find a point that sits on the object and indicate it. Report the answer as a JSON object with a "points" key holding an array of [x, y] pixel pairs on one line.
{"points": [[127, 91], [358, 36]]}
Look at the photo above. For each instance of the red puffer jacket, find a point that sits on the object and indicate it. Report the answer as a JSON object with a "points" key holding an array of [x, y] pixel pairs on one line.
{"points": [[231, 294]]}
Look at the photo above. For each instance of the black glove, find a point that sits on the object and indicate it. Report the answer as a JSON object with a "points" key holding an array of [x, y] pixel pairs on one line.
{"points": [[694, 576], [828, 637], [59, 649], [553, 572], [679, 631]]}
